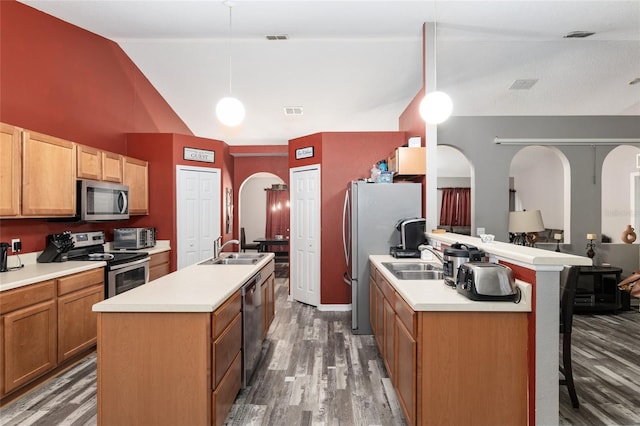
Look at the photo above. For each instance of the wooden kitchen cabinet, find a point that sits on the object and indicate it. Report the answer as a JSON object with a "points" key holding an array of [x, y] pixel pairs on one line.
{"points": [[159, 265], [268, 302], [77, 323], [10, 170], [405, 161], [89, 162], [48, 176], [112, 167], [29, 322], [136, 177], [405, 371]]}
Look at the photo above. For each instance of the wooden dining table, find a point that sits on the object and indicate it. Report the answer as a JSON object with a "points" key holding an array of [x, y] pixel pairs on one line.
{"points": [[264, 243]]}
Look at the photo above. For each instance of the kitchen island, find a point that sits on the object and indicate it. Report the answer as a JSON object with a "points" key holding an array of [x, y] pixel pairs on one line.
{"points": [[451, 360], [169, 352], [541, 269]]}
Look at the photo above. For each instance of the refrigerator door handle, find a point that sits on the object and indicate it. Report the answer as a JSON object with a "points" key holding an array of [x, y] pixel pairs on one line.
{"points": [[346, 229]]}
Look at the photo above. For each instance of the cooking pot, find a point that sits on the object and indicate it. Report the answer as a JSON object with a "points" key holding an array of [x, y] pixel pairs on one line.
{"points": [[456, 255]]}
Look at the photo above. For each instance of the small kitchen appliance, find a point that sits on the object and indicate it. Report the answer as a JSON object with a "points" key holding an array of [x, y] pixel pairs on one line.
{"points": [[483, 281], [134, 238], [411, 236], [456, 255], [100, 201], [4, 248]]}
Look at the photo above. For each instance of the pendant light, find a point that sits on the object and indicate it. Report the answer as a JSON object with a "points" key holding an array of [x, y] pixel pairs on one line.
{"points": [[436, 106], [230, 110]]}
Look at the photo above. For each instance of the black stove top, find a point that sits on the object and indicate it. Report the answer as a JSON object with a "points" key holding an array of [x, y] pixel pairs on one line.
{"points": [[112, 258]]}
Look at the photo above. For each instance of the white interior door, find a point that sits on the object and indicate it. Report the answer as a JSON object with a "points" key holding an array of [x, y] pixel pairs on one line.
{"points": [[198, 213], [305, 234]]}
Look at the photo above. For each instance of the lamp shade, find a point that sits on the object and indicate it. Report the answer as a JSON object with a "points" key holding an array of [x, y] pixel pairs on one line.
{"points": [[436, 107], [525, 221]]}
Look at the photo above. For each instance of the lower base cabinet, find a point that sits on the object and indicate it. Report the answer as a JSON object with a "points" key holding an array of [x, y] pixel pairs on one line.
{"points": [[453, 368], [159, 265]]}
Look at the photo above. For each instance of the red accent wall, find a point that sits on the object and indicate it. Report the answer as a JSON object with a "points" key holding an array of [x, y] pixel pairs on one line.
{"points": [[343, 157], [64, 81]]}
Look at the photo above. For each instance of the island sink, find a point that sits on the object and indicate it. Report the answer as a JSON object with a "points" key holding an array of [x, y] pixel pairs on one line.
{"points": [[414, 270], [235, 259]]}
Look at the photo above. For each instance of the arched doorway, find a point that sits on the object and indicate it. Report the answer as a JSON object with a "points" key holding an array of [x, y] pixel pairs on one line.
{"points": [[542, 181], [455, 173], [252, 203]]}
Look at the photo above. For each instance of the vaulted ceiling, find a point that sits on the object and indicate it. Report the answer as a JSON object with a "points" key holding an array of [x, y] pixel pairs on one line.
{"points": [[356, 65]]}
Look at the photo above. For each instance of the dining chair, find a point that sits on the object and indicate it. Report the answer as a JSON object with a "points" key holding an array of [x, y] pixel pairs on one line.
{"points": [[243, 242], [568, 283]]}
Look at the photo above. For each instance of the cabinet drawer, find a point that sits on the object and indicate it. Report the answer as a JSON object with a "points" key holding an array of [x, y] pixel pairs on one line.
{"points": [[225, 349], [223, 316], [406, 315], [387, 290], [11, 300], [81, 280], [159, 258], [225, 394]]}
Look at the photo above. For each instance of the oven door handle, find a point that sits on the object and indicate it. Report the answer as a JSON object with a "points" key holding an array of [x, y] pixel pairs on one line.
{"points": [[129, 264]]}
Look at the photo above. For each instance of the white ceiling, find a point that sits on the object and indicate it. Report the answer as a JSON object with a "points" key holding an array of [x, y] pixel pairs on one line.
{"points": [[355, 65]]}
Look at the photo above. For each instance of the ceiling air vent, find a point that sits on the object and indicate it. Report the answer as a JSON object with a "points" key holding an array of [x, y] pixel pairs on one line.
{"points": [[293, 110], [525, 84], [578, 34], [635, 81], [272, 37]]}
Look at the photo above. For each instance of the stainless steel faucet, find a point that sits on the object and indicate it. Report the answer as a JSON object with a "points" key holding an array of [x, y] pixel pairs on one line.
{"points": [[217, 248], [432, 250]]}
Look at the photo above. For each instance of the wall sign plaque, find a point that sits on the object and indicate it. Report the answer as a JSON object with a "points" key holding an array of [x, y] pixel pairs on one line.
{"points": [[306, 152], [195, 154]]}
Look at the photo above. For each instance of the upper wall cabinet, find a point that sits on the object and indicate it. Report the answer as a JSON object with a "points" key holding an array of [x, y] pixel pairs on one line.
{"points": [[405, 161], [48, 176], [99, 165], [10, 168], [136, 176]]}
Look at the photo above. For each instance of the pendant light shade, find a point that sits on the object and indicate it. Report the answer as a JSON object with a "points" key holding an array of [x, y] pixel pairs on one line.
{"points": [[230, 111], [436, 107]]}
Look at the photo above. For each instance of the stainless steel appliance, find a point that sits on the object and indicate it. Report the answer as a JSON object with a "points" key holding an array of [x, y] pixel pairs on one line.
{"points": [[124, 271], [252, 317], [371, 211], [488, 282], [411, 237], [99, 201], [134, 238], [456, 255]]}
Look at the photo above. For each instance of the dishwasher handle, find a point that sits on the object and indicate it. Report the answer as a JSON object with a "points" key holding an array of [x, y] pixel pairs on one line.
{"points": [[251, 285]]}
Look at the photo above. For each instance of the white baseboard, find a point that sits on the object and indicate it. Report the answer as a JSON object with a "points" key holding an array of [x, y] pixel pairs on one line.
{"points": [[334, 308]]}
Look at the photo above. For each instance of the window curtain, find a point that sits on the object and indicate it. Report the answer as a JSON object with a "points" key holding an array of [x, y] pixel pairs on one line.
{"points": [[456, 207], [277, 216]]}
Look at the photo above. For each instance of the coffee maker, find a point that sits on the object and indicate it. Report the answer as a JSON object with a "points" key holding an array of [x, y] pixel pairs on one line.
{"points": [[411, 236], [4, 252]]}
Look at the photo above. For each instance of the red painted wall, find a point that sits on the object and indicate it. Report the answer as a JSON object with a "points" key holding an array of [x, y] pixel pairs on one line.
{"points": [[342, 157], [64, 81]]}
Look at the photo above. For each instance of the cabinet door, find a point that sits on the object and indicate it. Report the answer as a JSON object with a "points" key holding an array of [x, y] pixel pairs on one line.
{"points": [[10, 167], [137, 178], [30, 343], [159, 265], [372, 304], [379, 318], [89, 163], [48, 176], [405, 371], [111, 167], [77, 323], [389, 338]]}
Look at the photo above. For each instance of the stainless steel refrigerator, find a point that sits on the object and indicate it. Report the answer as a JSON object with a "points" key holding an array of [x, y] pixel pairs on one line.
{"points": [[370, 214]]}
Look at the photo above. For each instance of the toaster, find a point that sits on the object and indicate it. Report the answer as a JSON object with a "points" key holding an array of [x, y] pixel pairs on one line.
{"points": [[487, 282]]}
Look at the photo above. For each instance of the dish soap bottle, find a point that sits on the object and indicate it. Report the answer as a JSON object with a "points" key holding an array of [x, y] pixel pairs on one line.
{"points": [[375, 173]]}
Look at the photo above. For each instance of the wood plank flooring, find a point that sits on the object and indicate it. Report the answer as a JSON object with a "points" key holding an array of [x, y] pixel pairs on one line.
{"points": [[314, 371]]}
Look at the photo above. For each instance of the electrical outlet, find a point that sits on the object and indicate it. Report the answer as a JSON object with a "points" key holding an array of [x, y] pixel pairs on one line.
{"points": [[16, 245]]}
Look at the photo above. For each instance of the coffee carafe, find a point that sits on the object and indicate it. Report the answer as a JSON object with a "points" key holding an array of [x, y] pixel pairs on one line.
{"points": [[4, 251]]}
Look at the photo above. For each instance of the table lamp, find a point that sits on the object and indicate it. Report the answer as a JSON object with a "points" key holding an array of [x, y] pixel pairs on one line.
{"points": [[558, 238], [521, 223], [591, 245]]}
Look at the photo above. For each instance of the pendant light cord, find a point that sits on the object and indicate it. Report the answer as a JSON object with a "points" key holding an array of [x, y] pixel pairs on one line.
{"points": [[230, 6]]}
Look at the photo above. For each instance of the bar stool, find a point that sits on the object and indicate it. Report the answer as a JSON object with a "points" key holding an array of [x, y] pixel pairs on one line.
{"points": [[568, 284], [243, 242]]}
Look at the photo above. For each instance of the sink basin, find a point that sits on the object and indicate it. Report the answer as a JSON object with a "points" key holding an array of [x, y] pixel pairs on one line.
{"points": [[235, 259], [419, 275], [414, 270]]}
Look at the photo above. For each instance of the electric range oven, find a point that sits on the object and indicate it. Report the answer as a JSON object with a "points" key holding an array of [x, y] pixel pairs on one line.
{"points": [[124, 271]]}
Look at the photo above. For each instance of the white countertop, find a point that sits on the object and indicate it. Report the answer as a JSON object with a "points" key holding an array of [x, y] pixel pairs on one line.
{"points": [[523, 254], [196, 288], [34, 272], [435, 295]]}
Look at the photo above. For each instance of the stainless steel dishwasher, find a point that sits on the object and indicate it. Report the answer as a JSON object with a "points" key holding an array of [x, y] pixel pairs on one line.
{"points": [[252, 317]]}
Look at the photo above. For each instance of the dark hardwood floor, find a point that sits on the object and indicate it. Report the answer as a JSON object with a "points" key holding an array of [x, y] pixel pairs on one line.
{"points": [[314, 371]]}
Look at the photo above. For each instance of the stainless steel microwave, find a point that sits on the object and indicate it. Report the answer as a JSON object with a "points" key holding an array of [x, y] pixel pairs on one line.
{"points": [[99, 201]]}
